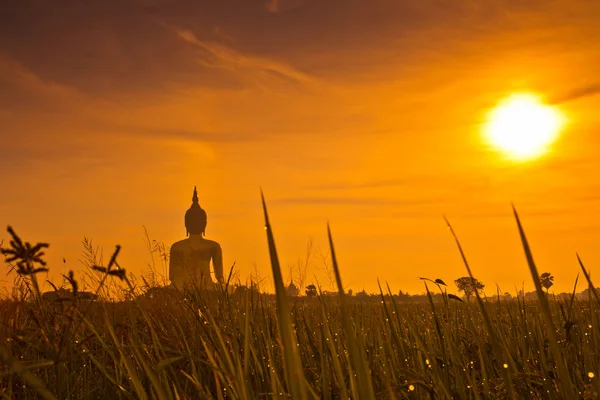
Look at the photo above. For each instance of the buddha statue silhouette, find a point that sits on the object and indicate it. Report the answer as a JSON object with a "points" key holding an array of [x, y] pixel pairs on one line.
{"points": [[190, 258]]}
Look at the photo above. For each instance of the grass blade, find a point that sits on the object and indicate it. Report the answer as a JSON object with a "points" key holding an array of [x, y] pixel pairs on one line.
{"points": [[499, 351], [293, 365], [563, 372], [27, 376], [589, 280], [358, 358]]}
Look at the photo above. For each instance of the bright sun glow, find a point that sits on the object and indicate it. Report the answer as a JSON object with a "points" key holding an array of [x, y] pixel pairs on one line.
{"points": [[523, 127]]}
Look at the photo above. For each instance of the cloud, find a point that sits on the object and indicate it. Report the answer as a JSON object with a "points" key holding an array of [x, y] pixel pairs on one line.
{"points": [[175, 133], [352, 200], [278, 6], [377, 183], [215, 55], [412, 182], [21, 88], [577, 94], [108, 49]]}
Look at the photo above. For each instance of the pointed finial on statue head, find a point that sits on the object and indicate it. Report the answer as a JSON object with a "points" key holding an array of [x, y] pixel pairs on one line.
{"points": [[195, 196]]}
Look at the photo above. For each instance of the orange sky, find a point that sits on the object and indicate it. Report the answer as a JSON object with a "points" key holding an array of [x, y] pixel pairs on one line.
{"points": [[365, 114]]}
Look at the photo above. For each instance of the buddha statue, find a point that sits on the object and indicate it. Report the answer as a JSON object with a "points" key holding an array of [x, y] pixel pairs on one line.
{"points": [[190, 258]]}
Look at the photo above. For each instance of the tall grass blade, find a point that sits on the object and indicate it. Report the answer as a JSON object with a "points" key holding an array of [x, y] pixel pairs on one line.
{"points": [[563, 372], [293, 364], [358, 358], [592, 288], [501, 354]]}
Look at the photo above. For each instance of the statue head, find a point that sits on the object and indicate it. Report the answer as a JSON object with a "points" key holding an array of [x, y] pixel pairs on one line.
{"points": [[195, 217]]}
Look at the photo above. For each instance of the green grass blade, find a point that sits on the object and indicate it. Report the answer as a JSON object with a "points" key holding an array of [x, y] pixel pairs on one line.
{"points": [[330, 346], [498, 350], [293, 364], [567, 388], [589, 280], [358, 357]]}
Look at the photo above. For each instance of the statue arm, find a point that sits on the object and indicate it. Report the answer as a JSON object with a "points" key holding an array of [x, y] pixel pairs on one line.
{"points": [[217, 259]]}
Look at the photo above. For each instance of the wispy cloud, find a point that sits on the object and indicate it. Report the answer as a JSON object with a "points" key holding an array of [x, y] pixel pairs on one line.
{"points": [[215, 55], [376, 183], [20, 87], [577, 93], [278, 6], [353, 201], [419, 181], [175, 133]]}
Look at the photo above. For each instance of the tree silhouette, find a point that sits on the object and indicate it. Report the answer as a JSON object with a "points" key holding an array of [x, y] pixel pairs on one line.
{"points": [[468, 286], [547, 280], [311, 291]]}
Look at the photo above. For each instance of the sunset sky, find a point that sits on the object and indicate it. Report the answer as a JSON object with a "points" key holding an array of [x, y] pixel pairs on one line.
{"points": [[366, 114]]}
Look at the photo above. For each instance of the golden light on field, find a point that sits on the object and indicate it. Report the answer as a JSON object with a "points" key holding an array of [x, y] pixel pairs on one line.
{"points": [[523, 126]]}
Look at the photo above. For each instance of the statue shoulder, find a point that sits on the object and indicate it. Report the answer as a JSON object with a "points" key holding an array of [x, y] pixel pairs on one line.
{"points": [[179, 246], [213, 244]]}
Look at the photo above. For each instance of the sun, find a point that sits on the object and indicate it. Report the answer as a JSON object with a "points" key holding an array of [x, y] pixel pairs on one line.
{"points": [[523, 127]]}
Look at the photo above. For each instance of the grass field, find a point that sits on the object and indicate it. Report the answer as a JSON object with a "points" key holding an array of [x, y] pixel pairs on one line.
{"points": [[245, 345]]}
